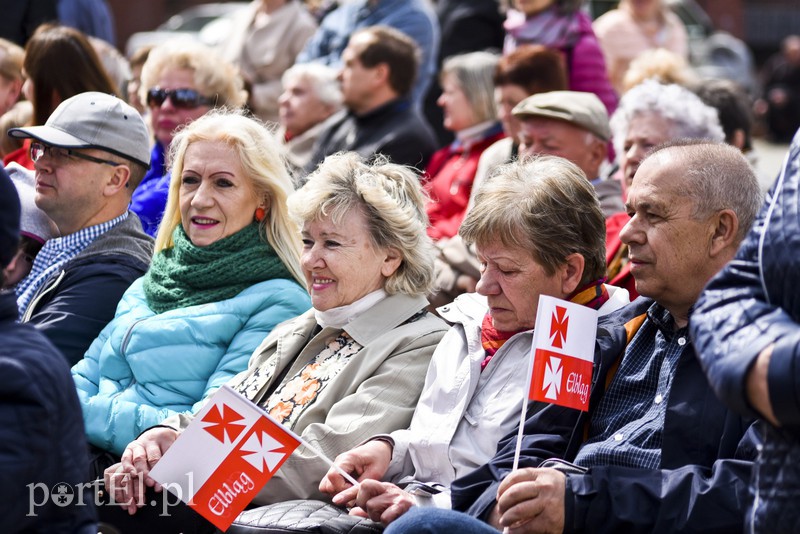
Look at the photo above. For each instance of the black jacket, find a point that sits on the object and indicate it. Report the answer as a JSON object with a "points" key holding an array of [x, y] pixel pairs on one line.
{"points": [[754, 302], [42, 442], [77, 302], [706, 456], [395, 130]]}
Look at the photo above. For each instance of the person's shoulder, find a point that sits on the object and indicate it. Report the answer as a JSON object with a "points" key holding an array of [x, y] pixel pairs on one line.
{"points": [[609, 21]]}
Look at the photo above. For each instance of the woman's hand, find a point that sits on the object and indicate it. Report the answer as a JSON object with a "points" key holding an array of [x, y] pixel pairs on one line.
{"points": [[380, 501], [367, 461], [126, 481]]}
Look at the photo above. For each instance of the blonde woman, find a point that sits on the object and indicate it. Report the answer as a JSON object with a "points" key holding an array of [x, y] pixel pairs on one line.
{"points": [[226, 270]]}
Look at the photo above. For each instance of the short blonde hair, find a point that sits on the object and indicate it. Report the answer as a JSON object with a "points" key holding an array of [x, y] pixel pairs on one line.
{"points": [[661, 65], [260, 156], [393, 201], [545, 205], [11, 59], [213, 76]]}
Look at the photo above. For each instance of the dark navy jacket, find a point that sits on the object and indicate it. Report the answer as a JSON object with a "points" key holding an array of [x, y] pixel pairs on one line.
{"points": [[706, 456], [42, 442], [752, 303], [77, 302]]}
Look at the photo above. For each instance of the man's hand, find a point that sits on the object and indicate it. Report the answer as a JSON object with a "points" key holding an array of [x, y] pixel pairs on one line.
{"points": [[531, 501], [380, 501], [367, 461], [126, 480]]}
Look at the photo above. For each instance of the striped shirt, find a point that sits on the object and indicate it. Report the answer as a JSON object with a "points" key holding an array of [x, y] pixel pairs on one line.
{"points": [[54, 255]]}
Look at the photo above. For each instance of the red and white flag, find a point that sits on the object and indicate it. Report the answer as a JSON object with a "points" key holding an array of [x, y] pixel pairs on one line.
{"points": [[223, 459], [563, 352]]}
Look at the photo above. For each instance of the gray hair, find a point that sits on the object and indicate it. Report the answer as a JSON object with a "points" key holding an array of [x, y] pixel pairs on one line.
{"points": [[718, 177], [322, 78], [393, 201], [691, 118], [474, 74], [545, 205]]}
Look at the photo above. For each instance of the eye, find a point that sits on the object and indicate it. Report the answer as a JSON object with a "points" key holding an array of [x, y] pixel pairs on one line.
{"points": [[308, 243], [189, 179], [224, 182], [332, 244]]}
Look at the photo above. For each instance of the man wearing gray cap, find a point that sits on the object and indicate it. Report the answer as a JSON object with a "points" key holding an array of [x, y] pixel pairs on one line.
{"points": [[89, 157], [574, 126]]}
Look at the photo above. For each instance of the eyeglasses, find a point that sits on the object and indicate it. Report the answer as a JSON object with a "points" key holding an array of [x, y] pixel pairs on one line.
{"points": [[38, 150], [180, 98]]}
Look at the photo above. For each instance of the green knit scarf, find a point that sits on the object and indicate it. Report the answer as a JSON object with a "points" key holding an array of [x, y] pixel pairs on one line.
{"points": [[187, 275]]}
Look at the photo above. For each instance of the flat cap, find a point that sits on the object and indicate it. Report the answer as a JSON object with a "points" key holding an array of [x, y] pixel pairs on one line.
{"points": [[581, 109]]}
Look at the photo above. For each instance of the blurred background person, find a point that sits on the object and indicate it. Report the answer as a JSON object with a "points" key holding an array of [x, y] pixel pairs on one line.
{"points": [[464, 27], [136, 62], [633, 27], [11, 59], [661, 65], [181, 81], [21, 18], [379, 67], [59, 63], [563, 26], [470, 112], [779, 105], [413, 18], [35, 227], [266, 38], [19, 115], [92, 17], [527, 70], [308, 106], [226, 270]]}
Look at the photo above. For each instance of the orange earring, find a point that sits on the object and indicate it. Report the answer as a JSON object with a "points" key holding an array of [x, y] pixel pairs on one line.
{"points": [[260, 214]]}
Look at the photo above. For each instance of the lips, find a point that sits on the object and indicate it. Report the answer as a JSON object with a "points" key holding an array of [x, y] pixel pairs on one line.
{"points": [[204, 222], [318, 283]]}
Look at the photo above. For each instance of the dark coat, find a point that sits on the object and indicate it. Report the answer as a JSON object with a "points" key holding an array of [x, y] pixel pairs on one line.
{"points": [[77, 302], [706, 456], [395, 130], [42, 442], [753, 303]]}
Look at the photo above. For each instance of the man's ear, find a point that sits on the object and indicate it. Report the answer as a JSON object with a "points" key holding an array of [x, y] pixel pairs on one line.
{"points": [[572, 273], [598, 151], [118, 181], [726, 232], [381, 73]]}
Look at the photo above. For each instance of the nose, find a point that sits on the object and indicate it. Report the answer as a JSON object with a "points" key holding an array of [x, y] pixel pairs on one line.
{"points": [[487, 285], [631, 233], [441, 101], [203, 197], [311, 259]]}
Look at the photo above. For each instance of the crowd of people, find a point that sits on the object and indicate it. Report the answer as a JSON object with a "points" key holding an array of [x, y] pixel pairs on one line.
{"points": [[286, 216]]}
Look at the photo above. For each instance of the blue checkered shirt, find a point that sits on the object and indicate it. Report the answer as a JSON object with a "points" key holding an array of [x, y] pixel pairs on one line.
{"points": [[54, 255], [627, 427]]}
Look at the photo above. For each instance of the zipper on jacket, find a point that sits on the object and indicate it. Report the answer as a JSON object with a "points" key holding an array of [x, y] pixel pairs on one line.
{"points": [[38, 297], [128, 334]]}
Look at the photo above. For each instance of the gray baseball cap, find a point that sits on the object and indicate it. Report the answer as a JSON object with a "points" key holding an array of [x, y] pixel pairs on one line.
{"points": [[581, 109], [94, 120]]}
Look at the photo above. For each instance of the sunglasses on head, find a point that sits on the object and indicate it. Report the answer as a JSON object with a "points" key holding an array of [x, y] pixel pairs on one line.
{"points": [[180, 98]]}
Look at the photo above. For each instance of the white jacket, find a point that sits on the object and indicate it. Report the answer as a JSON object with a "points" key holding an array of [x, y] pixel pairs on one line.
{"points": [[463, 413]]}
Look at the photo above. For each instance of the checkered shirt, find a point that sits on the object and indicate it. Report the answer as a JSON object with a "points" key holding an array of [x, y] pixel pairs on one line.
{"points": [[627, 427], [54, 255]]}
